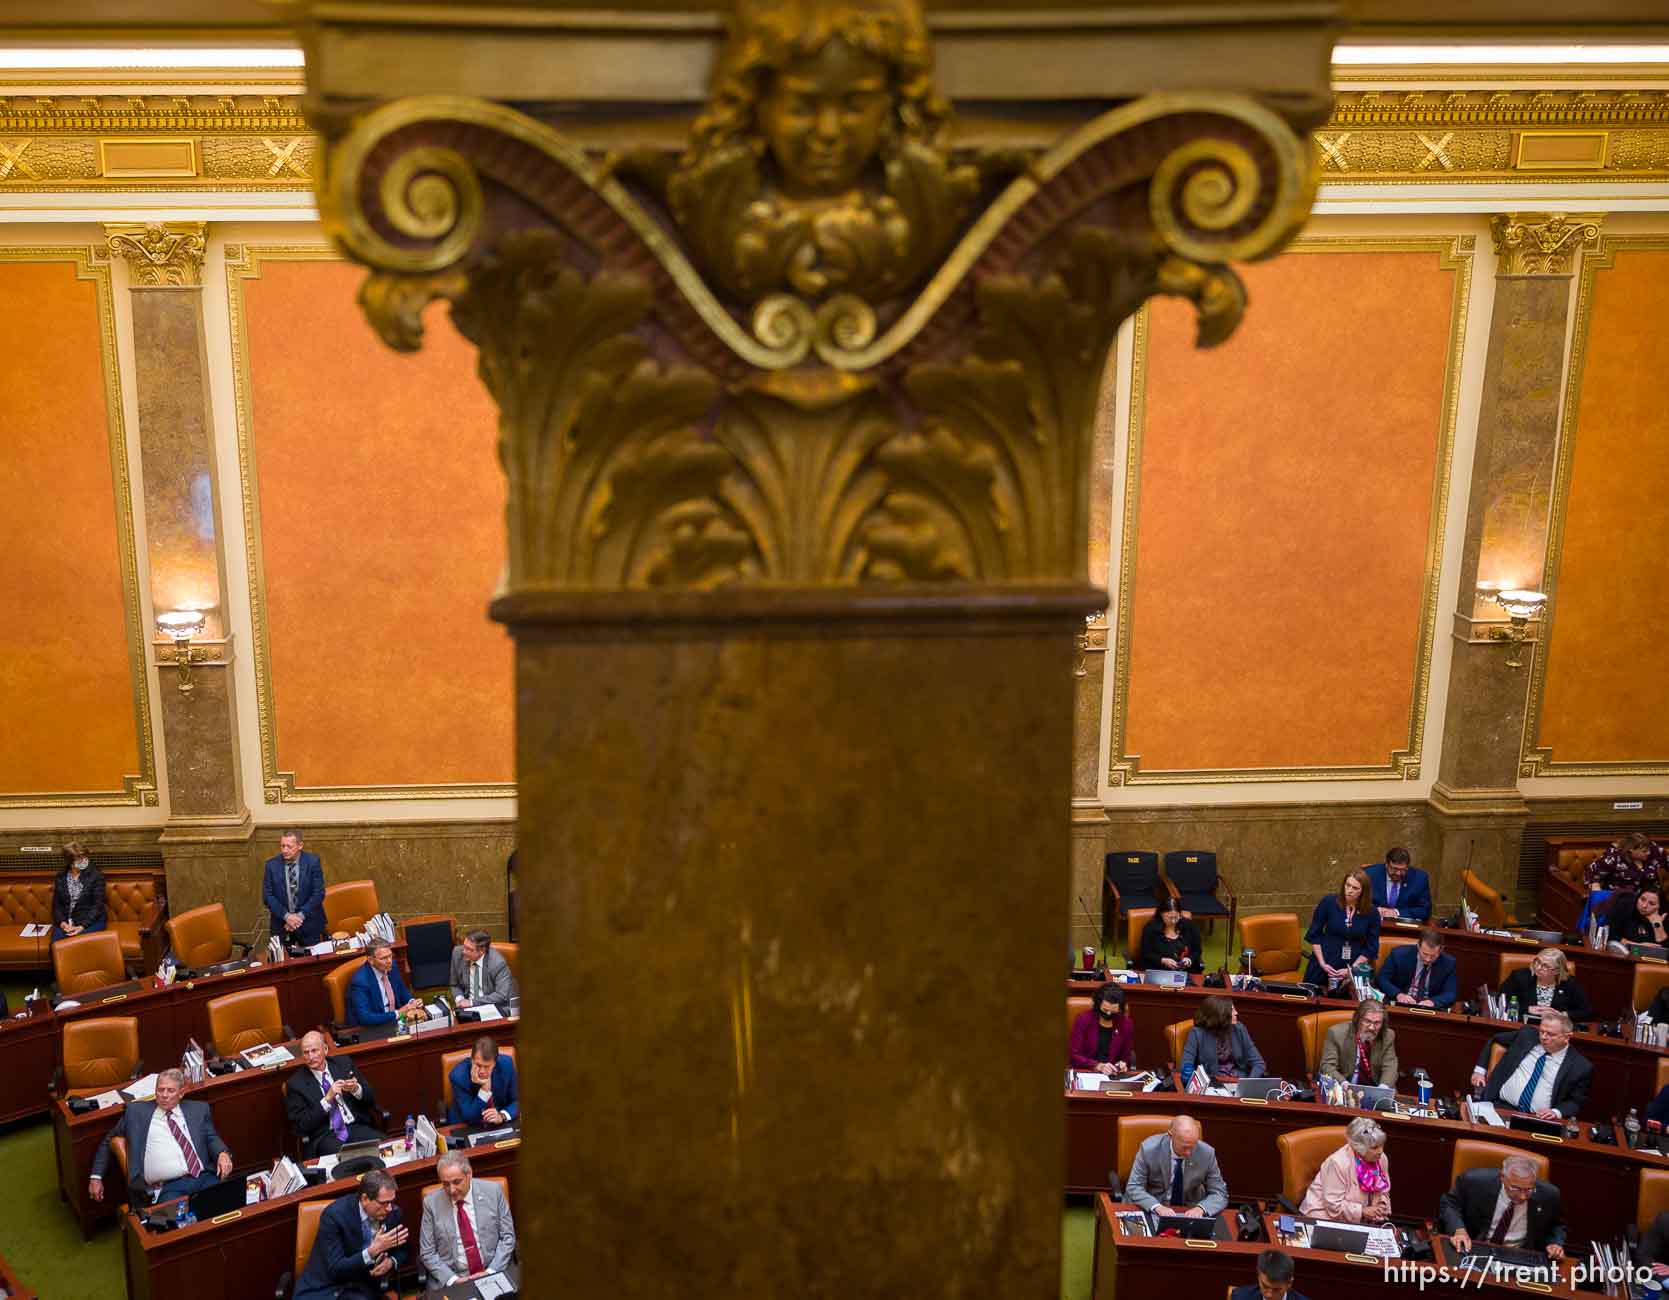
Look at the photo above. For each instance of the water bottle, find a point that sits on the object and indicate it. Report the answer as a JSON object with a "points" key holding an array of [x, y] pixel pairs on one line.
{"points": [[1631, 1126], [411, 1133], [1512, 1008]]}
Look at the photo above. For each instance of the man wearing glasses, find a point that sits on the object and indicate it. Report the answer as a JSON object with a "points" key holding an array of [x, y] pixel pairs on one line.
{"points": [[360, 1246]]}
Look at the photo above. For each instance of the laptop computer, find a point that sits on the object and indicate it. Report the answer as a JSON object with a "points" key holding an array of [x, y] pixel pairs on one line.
{"points": [[1375, 1095], [219, 1198], [485, 1136], [1326, 1237], [1201, 1229], [1258, 1087], [1531, 1124], [1511, 1256], [1121, 1086], [1170, 979]]}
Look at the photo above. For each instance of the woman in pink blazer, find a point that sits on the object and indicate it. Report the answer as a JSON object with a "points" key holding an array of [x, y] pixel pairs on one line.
{"points": [[1353, 1184]]}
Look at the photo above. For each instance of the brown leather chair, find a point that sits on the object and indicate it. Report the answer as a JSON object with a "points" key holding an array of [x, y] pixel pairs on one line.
{"points": [[118, 1148], [246, 1019], [1312, 1031], [512, 954], [1302, 1151], [1649, 977], [1389, 943], [1277, 940], [1508, 962], [99, 1054], [449, 1059], [1486, 902], [336, 988], [1470, 1153], [1496, 1052], [349, 905], [1133, 1130], [1654, 1196], [202, 936], [87, 962], [1135, 921], [1076, 1007], [1176, 1034], [1662, 1074]]}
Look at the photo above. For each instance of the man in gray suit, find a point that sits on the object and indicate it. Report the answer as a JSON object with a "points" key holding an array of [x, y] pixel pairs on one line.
{"points": [[467, 1230], [481, 975], [171, 1146], [1176, 1173]]}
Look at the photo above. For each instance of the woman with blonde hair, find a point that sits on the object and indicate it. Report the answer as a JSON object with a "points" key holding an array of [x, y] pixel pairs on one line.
{"points": [[1547, 982]]}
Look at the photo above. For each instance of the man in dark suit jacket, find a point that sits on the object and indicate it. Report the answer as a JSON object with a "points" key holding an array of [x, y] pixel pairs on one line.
{"points": [[351, 1114], [368, 1002], [1419, 975], [1400, 891], [158, 1134], [1274, 1279], [299, 914], [1539, 1050], [1509, 1206], [360, 1246]]}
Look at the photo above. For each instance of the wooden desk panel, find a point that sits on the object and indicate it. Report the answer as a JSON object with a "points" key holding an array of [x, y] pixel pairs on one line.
{"points": [[1594, 1179], [29, 1051], [247, 1255], [404, 1073]]}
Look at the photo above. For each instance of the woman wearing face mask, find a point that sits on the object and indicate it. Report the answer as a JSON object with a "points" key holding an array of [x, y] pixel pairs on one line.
{"points": [[77, 895], [1103, 1038]]}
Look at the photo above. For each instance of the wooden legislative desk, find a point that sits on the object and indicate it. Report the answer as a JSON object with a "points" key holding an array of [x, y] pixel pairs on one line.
{"points": [[168, 1017], [1128, 1267], [404, 1073], [1446, 1044], [245, 1256], [1594, 1179]]}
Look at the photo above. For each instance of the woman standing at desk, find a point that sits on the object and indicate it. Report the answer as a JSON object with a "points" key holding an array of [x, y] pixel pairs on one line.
{"points": [[77, 895], [1343, 933], [1170, 941], [1547, 982]]}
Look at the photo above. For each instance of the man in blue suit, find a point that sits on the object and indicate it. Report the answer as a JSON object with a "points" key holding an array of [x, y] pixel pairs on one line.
{"points": [[1419, 975], [483, 1087], [1400, 892], [376, 993], [293, 889], [360, 1246]]}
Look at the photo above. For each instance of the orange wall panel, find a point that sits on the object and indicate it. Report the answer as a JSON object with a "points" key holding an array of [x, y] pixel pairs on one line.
{"points": [[66, 687], [1606, 697], [382, 535], [1286, 486]]}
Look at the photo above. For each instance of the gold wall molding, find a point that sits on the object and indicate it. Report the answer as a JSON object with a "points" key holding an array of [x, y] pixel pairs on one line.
{"points": [[1404, 763], [138, 788], [160, 253], [1541, 243], [244, 263], [1538, 760]]}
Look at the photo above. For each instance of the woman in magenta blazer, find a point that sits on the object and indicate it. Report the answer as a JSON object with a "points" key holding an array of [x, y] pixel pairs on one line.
{"points": [[1103, 1037]]}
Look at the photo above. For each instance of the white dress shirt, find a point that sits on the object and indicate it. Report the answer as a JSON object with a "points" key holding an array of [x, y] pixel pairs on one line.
{"points": [[1542, 1099], [1519, 1223], [163, 1158], [459, 1261]]}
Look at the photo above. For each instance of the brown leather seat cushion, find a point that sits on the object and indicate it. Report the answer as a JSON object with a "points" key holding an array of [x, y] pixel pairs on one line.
{"points": [[24, 903]]}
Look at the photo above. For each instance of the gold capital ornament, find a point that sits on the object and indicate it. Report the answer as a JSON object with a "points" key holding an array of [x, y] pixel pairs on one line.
{"points": [[818, 347], [1541, 243], [161, 254]]}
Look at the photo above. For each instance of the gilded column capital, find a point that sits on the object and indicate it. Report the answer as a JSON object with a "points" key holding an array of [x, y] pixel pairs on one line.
{"points": [[818, 345], [1541, 243], [160, 253]]}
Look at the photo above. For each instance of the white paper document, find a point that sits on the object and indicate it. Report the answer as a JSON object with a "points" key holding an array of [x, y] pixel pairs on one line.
{"points": [[494, 1284], [487, 1011], [142, 1089], [266, 1055], [34, 930], [111, 1098], [321, 949], [1484, 1112]]}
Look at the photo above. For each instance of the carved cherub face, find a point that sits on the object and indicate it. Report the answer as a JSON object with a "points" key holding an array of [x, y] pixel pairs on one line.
{"points": [[823, 116]]}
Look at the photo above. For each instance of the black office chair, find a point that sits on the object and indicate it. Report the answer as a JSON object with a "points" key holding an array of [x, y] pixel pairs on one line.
{"points": [[1197, 883], [1129, 879], [429, 953]]}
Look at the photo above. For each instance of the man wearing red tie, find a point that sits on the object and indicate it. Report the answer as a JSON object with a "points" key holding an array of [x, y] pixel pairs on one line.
{"points": [[170, 1144], [467, 1230]]}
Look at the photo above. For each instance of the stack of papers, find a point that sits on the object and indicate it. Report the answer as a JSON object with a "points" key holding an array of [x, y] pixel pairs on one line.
{"points": [[142, 1089], [1484, 1112], [268, 1054], [486, 1011], [111, 1098], [35, 930], [494, 1284]]}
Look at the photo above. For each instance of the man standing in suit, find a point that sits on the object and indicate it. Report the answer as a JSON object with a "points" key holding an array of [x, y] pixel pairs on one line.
{"points": [[360, 1246], [293, 888], [467, 1229], [1401, 892], [328, 1104], [1540, 1073], [170, 1144], [1176, 1173], [376, 993], [1422, 975], [481, 975], [1508, 1207], [483, 1086], [1274, 1279]]}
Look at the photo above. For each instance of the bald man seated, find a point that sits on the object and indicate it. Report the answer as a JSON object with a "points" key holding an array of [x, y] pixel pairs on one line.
{"points": [[328, 1103], [1176, 1173]]}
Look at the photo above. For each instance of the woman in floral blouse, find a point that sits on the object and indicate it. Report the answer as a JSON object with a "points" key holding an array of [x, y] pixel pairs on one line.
{"points": [[1632, 863]]}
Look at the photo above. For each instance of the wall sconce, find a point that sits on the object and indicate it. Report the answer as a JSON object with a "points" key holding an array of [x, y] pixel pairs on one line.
{"points": [[180, 625], [1086, 643], [1521, 606]]}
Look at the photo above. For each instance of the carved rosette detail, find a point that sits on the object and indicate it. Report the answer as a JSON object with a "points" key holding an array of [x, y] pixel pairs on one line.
{"points": [[805, 354], [1541, 243], [161, 254]]}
